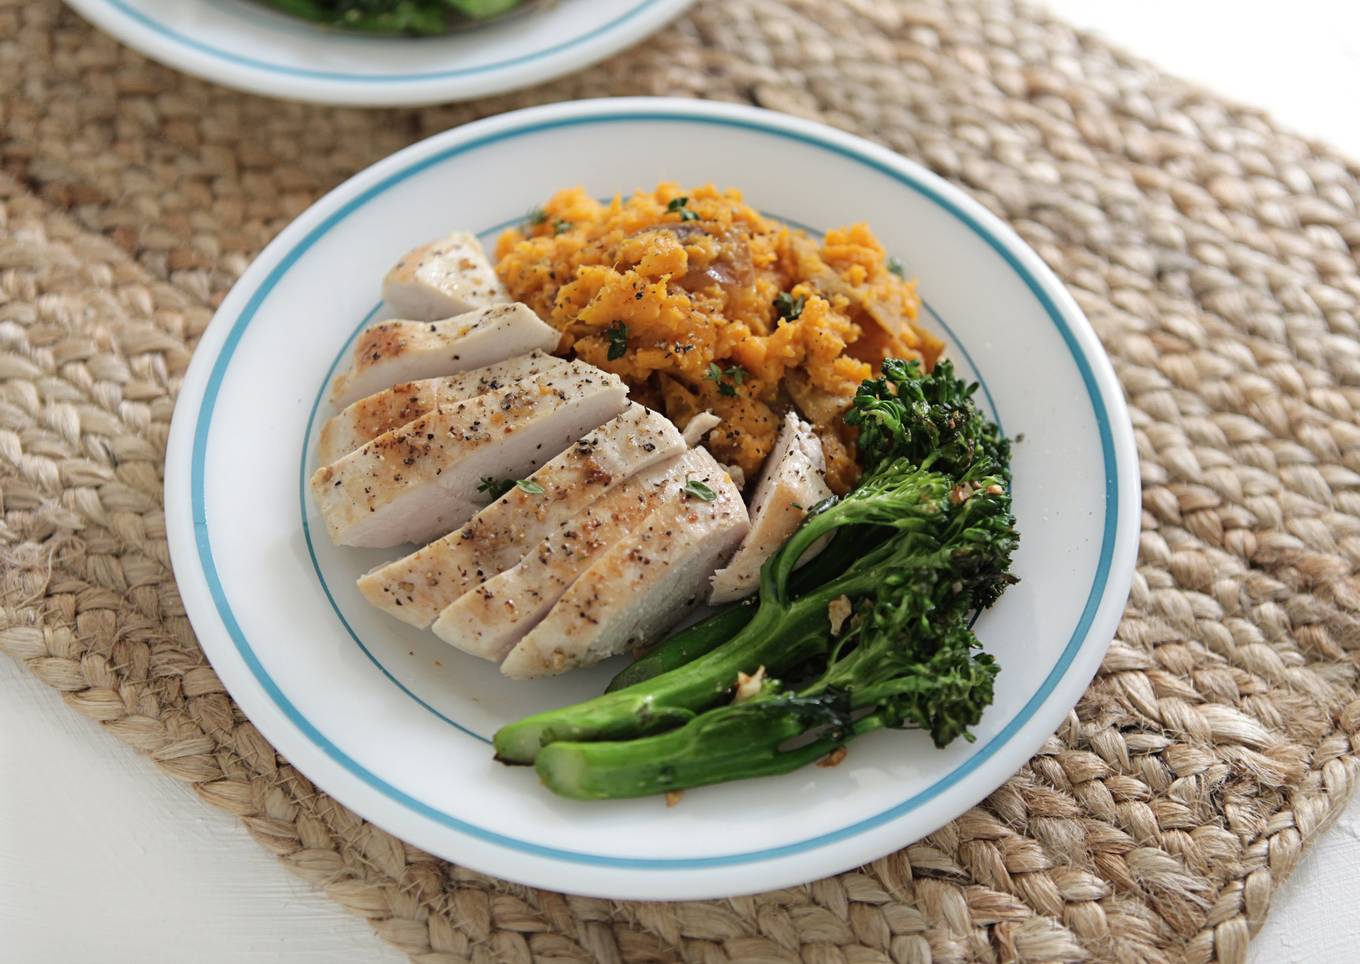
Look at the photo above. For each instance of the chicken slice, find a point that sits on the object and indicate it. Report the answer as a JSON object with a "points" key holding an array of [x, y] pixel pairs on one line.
{"points": [[392, 408], [488, 620], [419, 481], [443, 278], [406, 351], [791, 483], [644, 584], [417, 587]]}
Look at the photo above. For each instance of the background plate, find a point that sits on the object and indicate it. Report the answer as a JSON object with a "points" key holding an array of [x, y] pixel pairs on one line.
{"points": [[245, 45], [394, 724]]}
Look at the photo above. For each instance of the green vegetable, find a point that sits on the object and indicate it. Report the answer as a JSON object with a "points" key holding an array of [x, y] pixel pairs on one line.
{"points": [[788, 307], [895, 266], [943, 692], [923, 540], [618, 340], [495, 488], [698, 490], [736, 373], [926, 419], [677, 205], [393, 16], [686, 646], [732, 743], [481, 9]]}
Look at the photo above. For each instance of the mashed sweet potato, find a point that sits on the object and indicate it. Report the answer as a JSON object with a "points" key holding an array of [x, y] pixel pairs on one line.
{"points": [[699, 302]]}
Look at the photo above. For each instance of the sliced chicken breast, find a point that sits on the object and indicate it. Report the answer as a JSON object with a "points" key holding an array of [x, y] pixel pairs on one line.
{"points": [[443, 278], [489, 620], [417, 482], [792, 481], [392, 408], [417, 587], [644, 584], [391, 352]]}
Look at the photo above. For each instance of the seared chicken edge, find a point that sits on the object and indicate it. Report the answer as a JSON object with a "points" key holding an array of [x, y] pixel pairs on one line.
{"points": [[421, 480], [790, 484], [392, 352]]}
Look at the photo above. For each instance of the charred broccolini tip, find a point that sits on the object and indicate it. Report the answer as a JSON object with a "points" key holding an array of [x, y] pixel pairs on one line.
{"points": [[931, 420], [922, 541]]}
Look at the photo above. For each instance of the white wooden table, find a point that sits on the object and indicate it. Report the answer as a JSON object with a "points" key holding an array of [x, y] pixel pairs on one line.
{"points": [[99, 850]]}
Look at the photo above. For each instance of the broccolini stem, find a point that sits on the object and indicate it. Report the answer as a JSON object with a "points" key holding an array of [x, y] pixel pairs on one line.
{"points": [[725, 744], [943, 695], [686, 646], [776, 576]]}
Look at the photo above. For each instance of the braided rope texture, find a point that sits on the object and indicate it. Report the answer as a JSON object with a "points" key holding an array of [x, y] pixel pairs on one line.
{"points": [[1218, 258]]}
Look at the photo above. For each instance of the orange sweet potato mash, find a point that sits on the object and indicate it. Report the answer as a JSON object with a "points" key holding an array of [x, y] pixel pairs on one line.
{"points": [[699, 302]]}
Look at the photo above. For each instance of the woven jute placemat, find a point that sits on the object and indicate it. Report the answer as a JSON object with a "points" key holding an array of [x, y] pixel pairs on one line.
{"points": [[1216, 256]]}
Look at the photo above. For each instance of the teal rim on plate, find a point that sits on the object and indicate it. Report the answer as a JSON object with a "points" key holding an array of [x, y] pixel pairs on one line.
{"points": [[981, 754]]}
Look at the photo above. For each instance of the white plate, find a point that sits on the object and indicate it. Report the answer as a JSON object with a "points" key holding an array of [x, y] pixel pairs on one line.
{"points": [[395, 724], [245, 45]]}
